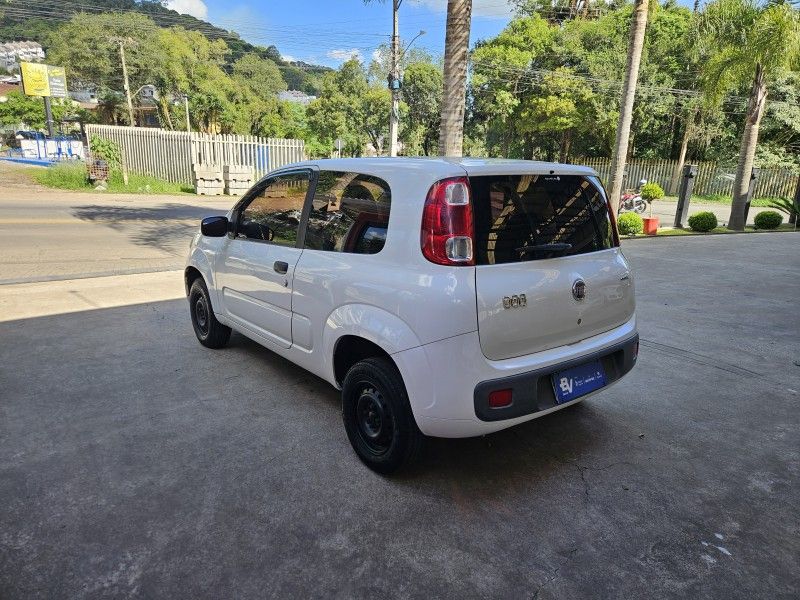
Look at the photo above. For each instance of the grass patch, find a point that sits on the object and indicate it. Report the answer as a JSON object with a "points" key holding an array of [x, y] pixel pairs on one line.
{"points": [[72, 176], [718, 199]]}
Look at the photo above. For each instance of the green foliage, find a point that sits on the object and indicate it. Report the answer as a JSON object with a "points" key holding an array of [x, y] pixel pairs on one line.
{"points": [[29, 111], [703, 221], [768, 219], [789, 206], [422, 93], [652, 191], [73, 176], [350, 109], [630, 223], [106, 150]]}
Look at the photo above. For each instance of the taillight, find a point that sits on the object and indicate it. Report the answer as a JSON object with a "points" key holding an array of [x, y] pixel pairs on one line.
{"points": [[612, 215], [447, 230]]}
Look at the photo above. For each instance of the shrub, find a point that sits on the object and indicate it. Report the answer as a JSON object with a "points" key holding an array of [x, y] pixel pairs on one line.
{"points": [[652, 191], [769, 219], [703, 221], [106, 150], [630, 223]]}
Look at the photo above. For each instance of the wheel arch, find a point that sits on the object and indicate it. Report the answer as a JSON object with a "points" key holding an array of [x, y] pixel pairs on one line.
{"points": [[356, 331]]}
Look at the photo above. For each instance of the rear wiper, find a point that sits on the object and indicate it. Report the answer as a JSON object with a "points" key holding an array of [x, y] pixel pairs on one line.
{"points": [[559, 247]]}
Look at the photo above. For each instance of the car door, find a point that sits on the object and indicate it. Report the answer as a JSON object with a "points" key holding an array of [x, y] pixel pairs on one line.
{"points": [[255, 270]]}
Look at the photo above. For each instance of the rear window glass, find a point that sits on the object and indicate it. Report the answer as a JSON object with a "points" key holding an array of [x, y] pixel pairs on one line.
{"points": [[531, 217], [349, 213]]}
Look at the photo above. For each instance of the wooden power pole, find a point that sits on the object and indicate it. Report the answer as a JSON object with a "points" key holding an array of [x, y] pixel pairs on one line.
{"points": [[125, 83]]}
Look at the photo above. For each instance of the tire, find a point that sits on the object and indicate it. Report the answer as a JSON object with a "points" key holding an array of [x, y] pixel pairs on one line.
{"points": [[640, 206], [377, 416], [210, 332]]}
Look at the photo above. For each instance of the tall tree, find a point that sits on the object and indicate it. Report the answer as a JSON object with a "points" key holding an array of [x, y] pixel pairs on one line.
{"points": [[635, 46], [743, 43], [422, 92], [456, 53]]}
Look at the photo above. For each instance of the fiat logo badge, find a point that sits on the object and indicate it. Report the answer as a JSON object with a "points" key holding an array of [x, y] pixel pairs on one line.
{"points": [[579, 289]]}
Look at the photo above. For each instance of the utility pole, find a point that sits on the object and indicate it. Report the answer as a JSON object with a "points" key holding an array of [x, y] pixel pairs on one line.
{"points": [[125, 84], [394, 82], [48, 115]]}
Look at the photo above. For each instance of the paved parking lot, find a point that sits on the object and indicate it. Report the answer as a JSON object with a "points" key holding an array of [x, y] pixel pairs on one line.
{"points": [[134, 462]]}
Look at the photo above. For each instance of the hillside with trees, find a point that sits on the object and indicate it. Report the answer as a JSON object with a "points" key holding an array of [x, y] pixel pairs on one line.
{"points": [[36, 19]]}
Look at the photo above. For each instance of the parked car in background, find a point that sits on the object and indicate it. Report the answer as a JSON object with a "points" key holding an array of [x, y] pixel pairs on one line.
{"points": [[444, 297]]}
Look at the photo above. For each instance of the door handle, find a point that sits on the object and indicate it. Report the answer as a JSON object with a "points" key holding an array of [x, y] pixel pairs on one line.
{"points": [[281, 267]]}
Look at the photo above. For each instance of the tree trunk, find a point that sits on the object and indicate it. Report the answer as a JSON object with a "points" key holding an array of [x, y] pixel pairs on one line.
{"points": [[747, 150], [566, 143], [635, 45], [687, 135], [456, 49]]}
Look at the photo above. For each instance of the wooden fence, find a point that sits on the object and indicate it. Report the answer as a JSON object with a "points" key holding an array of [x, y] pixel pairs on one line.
{"points": [[169, 155], [711, 178]]}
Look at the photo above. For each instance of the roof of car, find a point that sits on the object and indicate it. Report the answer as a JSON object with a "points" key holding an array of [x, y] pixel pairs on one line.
{"points": [[447, 166]]}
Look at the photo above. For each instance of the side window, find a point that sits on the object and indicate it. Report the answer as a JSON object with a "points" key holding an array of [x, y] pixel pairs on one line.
{"points": [[273, 215], [349, 213]]}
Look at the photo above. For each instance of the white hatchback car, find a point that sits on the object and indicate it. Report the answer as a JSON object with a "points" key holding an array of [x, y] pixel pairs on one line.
{"points": [[444, 297]]}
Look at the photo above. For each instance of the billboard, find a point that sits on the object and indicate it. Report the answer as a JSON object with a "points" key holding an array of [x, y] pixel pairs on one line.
{"points": [[43, 80]]}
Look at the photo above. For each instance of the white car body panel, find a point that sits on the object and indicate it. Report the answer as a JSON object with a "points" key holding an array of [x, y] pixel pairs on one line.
{"points": [[425, 316]]}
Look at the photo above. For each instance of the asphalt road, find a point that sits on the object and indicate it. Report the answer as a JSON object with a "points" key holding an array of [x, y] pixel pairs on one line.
{"points": [[135, 463], [50, 234]]}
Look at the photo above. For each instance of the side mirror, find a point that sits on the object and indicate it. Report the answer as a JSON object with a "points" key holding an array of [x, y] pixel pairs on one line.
{"points": [[214, 226]]}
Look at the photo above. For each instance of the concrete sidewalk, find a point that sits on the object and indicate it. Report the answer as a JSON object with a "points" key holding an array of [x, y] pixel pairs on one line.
{"points": [[30, 300]]}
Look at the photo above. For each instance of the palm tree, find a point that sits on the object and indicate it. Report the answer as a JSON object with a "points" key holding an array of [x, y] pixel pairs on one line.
{"points": [[456, 51], [746, 43], [635, 45]]}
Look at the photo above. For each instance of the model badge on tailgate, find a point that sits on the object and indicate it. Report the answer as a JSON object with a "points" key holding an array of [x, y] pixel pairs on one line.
{"points": [[515, 301]]}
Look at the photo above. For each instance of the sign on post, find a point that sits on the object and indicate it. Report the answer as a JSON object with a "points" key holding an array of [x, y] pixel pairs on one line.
{"points": [[45, 81]]}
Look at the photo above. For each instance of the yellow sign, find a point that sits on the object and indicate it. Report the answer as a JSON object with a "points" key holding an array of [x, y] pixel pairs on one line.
{"points": [[43, 80]]}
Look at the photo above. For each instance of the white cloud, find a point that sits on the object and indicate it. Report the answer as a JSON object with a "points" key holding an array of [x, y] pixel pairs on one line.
{"points": [[288, 57], [492, 9], [196, 8], [342, 54]]}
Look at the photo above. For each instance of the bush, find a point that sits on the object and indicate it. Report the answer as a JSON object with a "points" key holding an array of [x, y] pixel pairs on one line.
{"points": [[769, 219], [630, 223], [106, 150], [652, 191], [703, 221]]}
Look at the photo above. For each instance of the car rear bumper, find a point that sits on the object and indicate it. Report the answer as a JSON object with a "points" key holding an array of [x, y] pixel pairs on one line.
{"points": [[532, 392], [448, 381]]}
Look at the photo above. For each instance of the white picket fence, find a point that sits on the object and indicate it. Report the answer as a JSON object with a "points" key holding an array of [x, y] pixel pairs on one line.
{"points": [[169, 155]]}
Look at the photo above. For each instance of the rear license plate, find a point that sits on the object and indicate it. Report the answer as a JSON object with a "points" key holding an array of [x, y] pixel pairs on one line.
{"points": [[578, 381]]}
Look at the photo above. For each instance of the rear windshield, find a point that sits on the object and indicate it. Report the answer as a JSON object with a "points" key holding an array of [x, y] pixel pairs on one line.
{"points": [[532, 217]]}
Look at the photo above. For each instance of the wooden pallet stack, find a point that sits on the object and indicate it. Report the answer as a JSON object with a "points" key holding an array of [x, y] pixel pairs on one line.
{"points": [[238, 179], [208, 180]]}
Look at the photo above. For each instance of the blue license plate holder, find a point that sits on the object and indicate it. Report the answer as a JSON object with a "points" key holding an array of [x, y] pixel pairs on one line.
{"points": [[578, 381]]}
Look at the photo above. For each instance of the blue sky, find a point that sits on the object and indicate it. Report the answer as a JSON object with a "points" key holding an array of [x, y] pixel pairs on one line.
{"points": [[329, 32]]}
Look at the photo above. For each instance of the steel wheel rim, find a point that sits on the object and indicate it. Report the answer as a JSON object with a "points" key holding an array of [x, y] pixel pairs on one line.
{"points": [[201, 316], [374, 420]]}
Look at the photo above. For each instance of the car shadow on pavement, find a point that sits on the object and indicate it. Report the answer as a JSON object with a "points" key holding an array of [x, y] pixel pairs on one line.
{"points": [[167, 227]]}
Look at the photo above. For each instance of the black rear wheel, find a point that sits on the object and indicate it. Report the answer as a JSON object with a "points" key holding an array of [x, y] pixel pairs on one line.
{"points": [[377, 416], [210, 332]]}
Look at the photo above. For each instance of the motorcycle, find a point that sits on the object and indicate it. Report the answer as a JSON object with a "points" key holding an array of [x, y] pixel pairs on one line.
{"points": [[632, 201]]}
